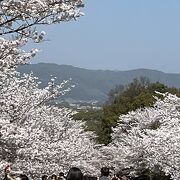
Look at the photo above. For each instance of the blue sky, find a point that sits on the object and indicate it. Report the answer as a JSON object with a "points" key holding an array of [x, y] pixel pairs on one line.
{"points": [[118, 35]]}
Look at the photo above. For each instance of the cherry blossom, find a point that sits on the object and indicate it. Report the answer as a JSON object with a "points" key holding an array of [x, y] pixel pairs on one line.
{"points": [[35, 137], [149, 138]]}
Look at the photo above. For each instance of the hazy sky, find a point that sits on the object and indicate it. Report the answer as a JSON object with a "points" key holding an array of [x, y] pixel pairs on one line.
{"points": [[118, 35]]}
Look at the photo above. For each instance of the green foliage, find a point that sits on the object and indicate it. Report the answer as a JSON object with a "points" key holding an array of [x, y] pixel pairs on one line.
{"points": [[159, 175], [138, 94], [93, 119]]}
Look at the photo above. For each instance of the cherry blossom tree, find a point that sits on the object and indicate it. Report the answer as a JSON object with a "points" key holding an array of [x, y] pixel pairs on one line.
{"points": [[41, 138], [35, 137], [19, 16], [149, 138], [19, 20]]}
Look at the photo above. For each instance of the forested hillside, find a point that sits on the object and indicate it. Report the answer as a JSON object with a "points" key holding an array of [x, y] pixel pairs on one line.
{"points": [[138, 94], [95, 84]]}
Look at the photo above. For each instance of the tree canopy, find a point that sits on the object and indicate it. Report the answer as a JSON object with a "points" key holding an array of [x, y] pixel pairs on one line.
{"points": [[149, 138], [34, 136], [122, 99]]}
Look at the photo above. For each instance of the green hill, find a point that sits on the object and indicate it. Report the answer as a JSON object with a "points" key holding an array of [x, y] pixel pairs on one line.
{"points": [[95, 84]]}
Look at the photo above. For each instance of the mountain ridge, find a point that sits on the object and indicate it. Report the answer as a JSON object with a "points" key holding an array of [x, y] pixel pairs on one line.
{"points": [[95, 84]]}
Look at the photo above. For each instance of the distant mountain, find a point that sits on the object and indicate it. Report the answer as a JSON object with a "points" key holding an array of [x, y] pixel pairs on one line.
{"points": [[95, 84]]}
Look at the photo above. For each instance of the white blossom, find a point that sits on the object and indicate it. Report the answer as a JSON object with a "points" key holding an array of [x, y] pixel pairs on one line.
{"points": [[35, 137], [149, 138]]}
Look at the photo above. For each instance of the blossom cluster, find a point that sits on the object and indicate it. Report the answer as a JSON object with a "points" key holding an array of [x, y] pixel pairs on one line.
{"points": [[149, 138], [38, 138], [34, 136], [16, 16]]}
